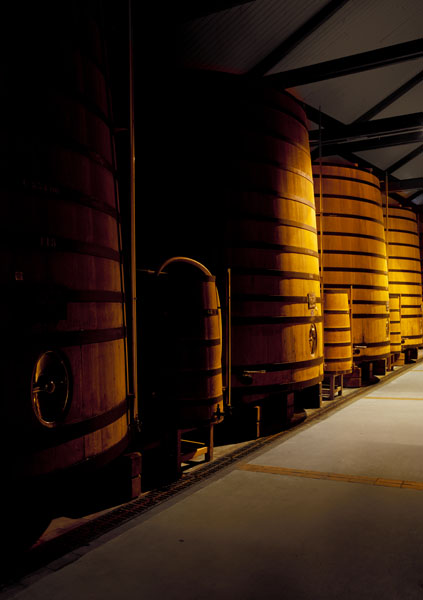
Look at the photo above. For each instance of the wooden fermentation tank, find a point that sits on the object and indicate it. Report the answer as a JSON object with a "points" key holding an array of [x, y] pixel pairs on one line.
{"points": [[405, 278], [64, 374], [353, 253]]}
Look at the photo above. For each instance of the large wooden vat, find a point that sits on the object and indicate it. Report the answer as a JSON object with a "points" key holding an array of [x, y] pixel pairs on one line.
{"points": [[337, 333], [188, 348], [64, 373], [277, 341], [354, 252], [404, 269]]}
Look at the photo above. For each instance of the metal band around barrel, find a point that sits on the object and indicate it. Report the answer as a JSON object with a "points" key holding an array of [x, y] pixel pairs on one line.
{"points": [[350, 216], [344, 178], [66, 339], [251, 390], [370, 316], [403, 231], [377, 344], [68, 432], [275, 320], [275, 273], [269, 219], [273, 298], [280, 247], [353, 234], [280, 196], [358, 287], [344, 197], [354, 253], [52, 243], [337, 345], [275, 367], [355, 270]]}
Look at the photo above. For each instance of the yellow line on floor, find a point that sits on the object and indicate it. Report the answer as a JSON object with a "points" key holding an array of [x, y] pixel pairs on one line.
{"points": [[391, 398], [398, 483]]}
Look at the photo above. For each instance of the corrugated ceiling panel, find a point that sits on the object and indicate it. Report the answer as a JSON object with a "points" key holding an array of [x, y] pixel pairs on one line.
{"points": [[236, 39], [346, 98], [358, 27], [385, 157], [412, 169], [409, 103]]}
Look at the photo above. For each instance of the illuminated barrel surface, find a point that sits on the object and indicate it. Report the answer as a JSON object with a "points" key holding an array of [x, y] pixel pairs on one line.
{"points": [[404, 268], [277, 341], [64, 382], [354, 252], [337, 333]]}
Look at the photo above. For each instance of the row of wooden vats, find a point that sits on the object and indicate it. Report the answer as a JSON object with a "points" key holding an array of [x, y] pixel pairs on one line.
{"points": [[316, 272]]}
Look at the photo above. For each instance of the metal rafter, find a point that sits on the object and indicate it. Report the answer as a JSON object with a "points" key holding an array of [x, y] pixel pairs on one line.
{"points": [[349, 65], [270, 61], [404, 184], [379, 127], [391, 98], [405, 159], [372, 143]]}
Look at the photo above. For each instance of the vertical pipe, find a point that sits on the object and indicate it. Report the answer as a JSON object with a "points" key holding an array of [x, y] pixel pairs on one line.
{"points": [[321, 211], [133, 217], [228, 339]]}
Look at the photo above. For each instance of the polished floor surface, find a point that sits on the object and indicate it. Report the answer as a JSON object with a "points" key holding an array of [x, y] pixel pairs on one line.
{"points": [[333, 510]]}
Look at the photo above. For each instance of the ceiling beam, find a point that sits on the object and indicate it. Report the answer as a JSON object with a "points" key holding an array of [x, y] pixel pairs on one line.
{"points": [[193, 9], [272, 59], [349, 65], [405, 159], [372, 143], [414, 196], [391, 98], [390, 125], [404, 184]]}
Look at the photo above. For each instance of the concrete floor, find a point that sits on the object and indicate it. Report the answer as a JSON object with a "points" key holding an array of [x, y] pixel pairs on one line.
{"points": [[333, 510]]}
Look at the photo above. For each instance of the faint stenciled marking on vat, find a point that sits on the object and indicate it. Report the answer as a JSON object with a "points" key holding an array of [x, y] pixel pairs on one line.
{"points": [[379, 481]]}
